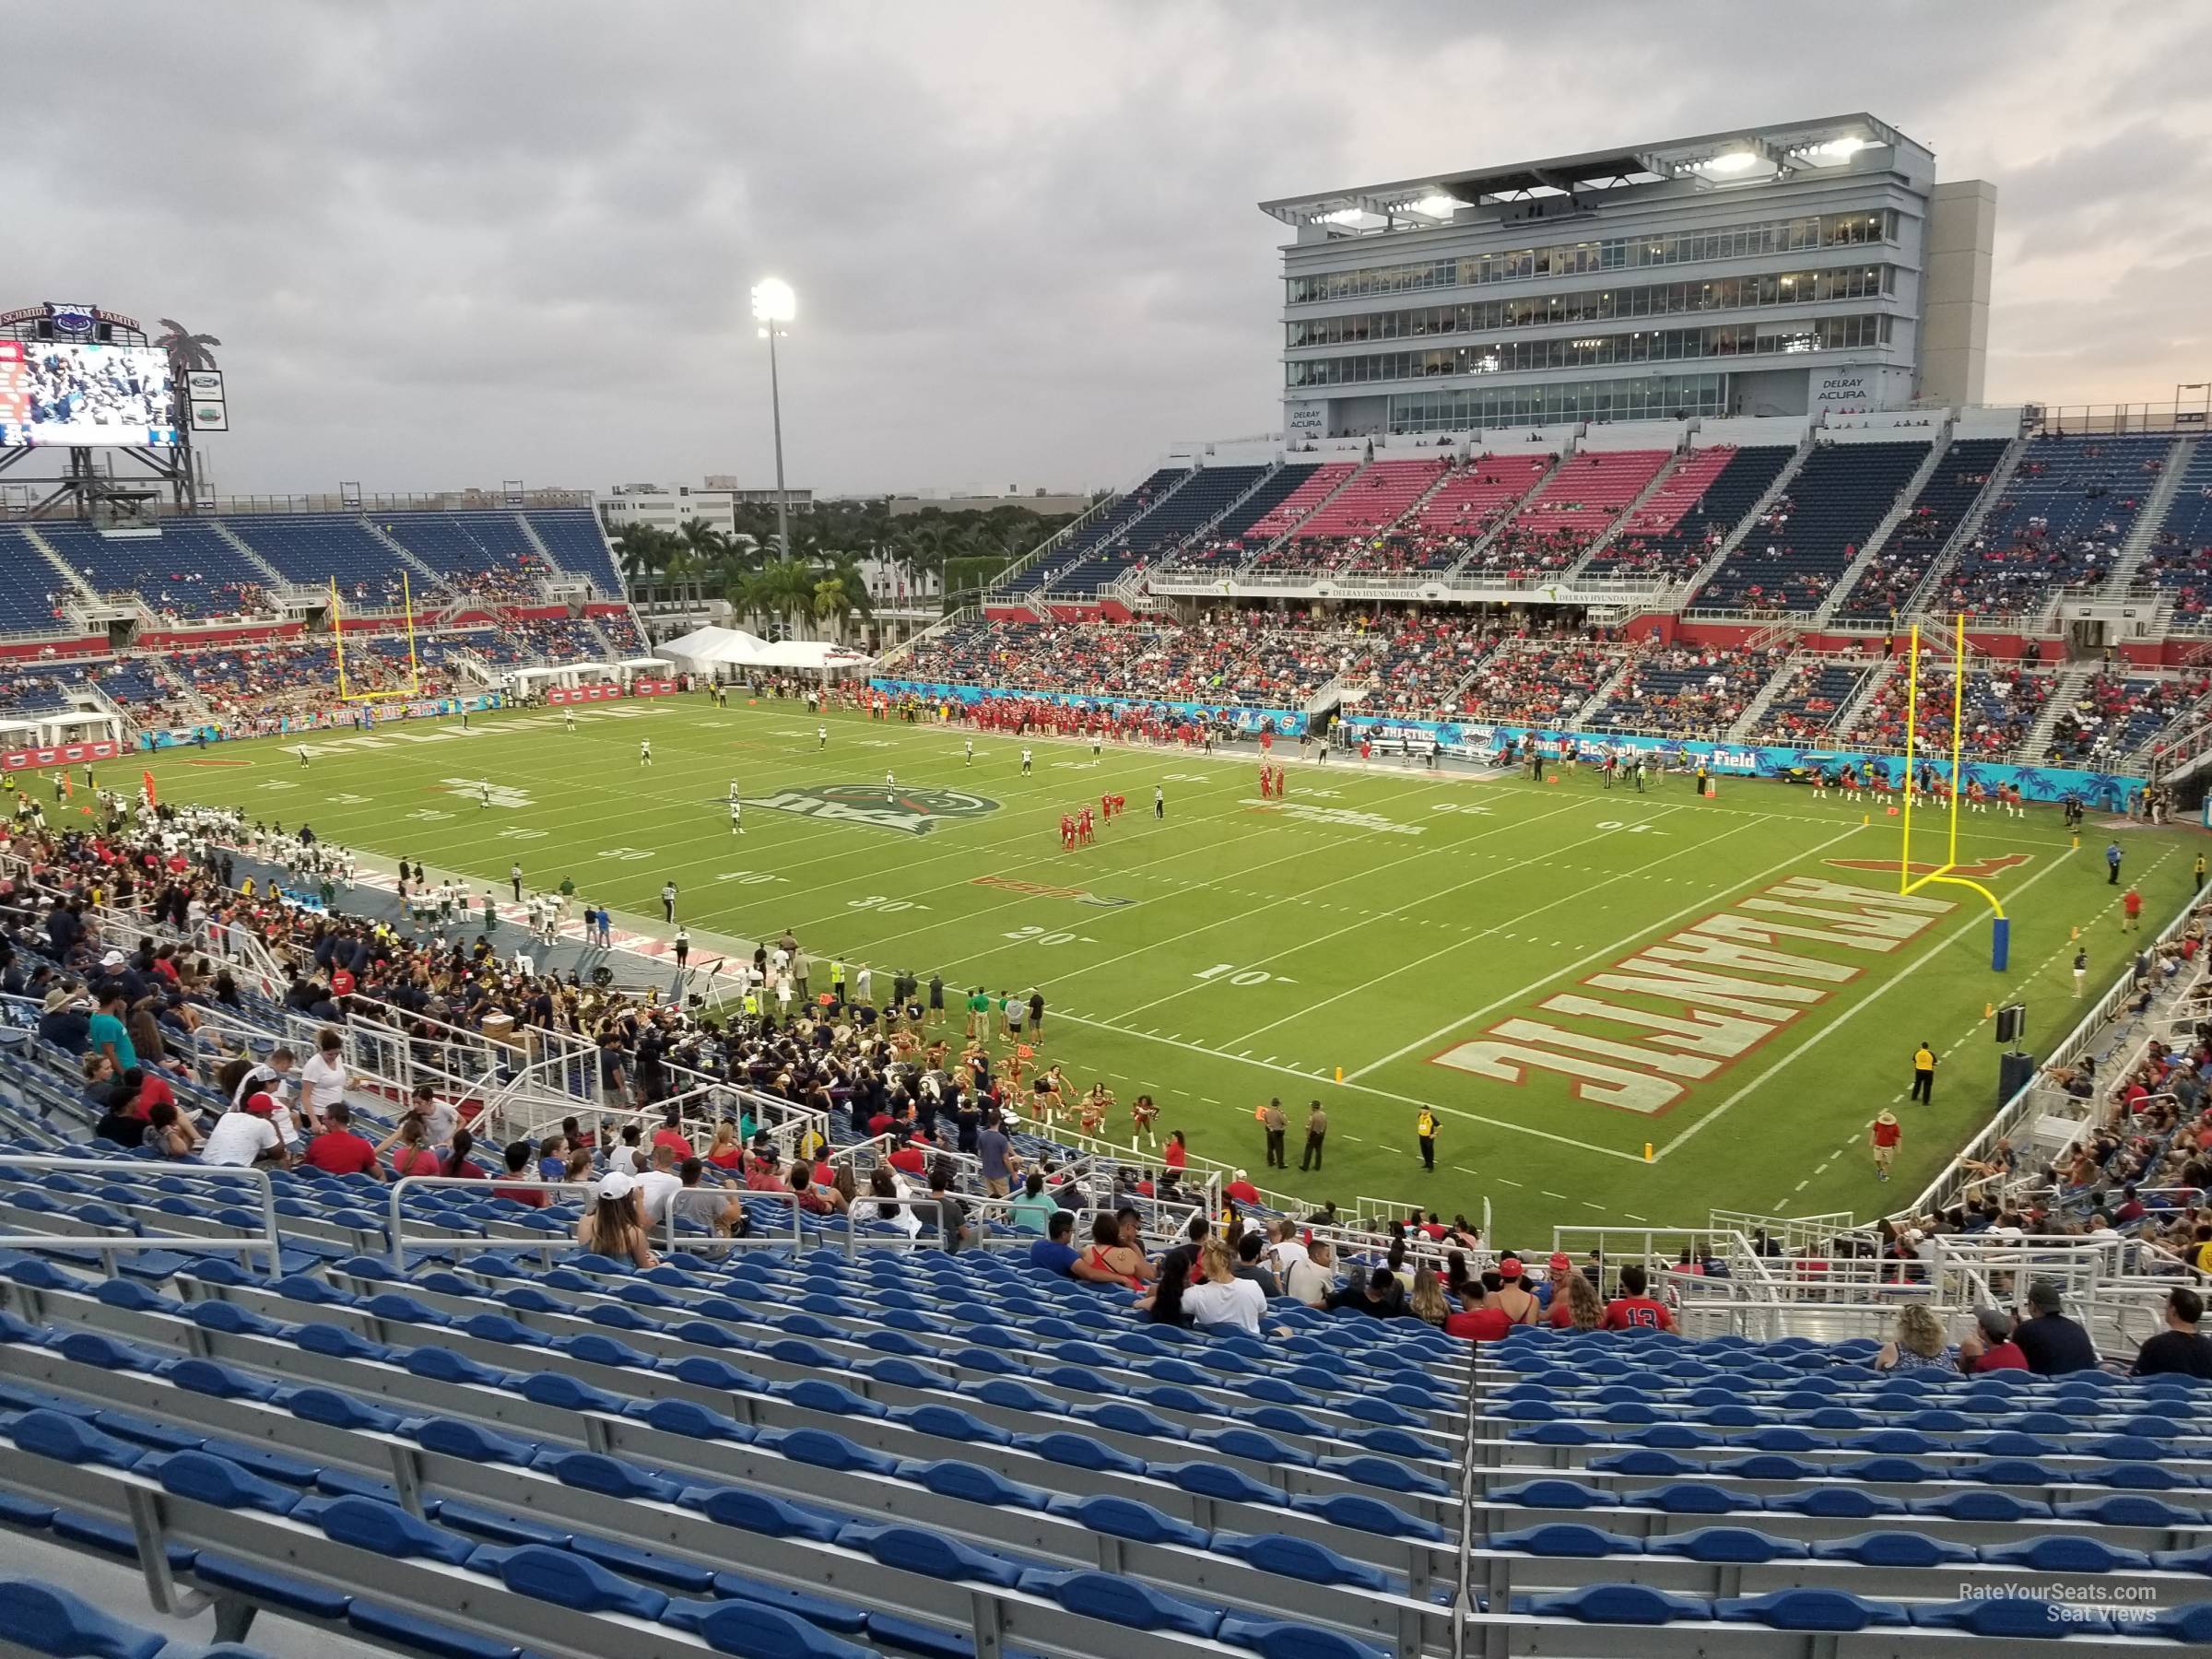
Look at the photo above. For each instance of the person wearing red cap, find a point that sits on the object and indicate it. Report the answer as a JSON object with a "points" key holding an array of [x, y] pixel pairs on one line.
{"points": [[246, 1135], [1553, 1291], [1513, 1298]]}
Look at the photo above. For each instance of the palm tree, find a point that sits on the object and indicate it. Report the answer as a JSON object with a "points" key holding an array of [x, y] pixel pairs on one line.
{"points": [[644, 552], [186, 350], [706, 549], [832, 604]]}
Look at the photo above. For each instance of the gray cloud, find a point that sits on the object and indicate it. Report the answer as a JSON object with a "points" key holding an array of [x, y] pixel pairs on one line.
{"points": [[448, 244]]}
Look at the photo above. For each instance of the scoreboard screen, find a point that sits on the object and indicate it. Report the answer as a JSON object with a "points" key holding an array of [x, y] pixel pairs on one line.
{"points": [[59, 393]]}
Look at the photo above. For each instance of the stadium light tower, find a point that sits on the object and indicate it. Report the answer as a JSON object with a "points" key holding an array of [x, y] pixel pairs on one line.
{"points": [[773, 305]]}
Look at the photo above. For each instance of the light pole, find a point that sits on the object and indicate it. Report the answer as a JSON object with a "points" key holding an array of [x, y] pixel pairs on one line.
{"points": [[773, 305], [2204, 386]]}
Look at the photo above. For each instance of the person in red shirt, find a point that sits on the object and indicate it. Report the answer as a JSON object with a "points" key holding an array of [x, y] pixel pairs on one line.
{"points": [[341, 983], [2131, 904], [1632, 1309], [1176, 1155], [910, 1160], [1887, 1131], [1479, 1319], [1241, 1190], [339, 1150], [1990, 1346], [519, 1189], [671, 1136]]}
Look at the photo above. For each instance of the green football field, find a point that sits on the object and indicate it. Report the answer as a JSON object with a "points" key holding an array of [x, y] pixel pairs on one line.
{"points": [[1567, 974]]}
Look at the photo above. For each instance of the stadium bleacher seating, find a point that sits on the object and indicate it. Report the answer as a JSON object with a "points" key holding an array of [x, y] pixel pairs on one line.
{"points": [[1541, 682], [1246, 658], [573, 536], [1210, 492], [1792, 558], [1685, 520], [1465, 507], [1378, 496], [1805, 707], [1889, 581], [1292, 509], [186, 570], [1226, 543], [2058, 525], [31, 590], [1686, 692], [316, 548], [2180, 556], [1577, 505], [1097, 543], [2001, 704], [2115, 716], [1423, 660]]}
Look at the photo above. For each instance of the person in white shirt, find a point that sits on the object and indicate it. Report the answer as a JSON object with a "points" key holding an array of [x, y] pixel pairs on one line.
{"points": [[1284, 1249], [657, 1186], [1220, 1299], [1312, 1279], [439, 1119], [322, 1079], [246, 1135]]}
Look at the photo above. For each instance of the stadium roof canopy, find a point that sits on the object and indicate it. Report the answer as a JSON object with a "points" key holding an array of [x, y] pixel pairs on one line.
{"points": [[1748, 155]]}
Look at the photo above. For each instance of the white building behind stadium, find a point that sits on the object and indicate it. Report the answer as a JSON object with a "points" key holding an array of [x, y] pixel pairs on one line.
{"points": [[1798, 269]]}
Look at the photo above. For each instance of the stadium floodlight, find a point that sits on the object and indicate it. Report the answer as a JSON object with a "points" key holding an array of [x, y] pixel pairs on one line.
{"points": [[774, 304], [1836, 149], [1436, 206], [1728, 162]]}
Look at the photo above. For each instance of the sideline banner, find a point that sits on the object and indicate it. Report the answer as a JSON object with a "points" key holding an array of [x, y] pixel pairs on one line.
{"points": [[363, 717], [657, 688], [60, 754], [2106, 792], [1247, 721], [602, 692]]}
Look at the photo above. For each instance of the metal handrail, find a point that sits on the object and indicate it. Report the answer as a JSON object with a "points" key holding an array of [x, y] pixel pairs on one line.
{"points": [[107, 1245], [548, 1242]]}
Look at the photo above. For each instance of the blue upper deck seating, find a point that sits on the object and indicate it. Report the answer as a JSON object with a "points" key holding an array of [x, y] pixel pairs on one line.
{"points": [[31, 590], [318, 548], [1944, 503], [1790, 559], [185, 569], [2058, 523], [579, 547]]}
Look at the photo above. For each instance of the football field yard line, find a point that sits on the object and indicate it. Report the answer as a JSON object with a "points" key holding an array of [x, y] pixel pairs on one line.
{"points": [[1709, 899], [1147, 867], [1498, 928], [1245, 915], [1385, 1094], [1844, 1018], [1429, 898]]}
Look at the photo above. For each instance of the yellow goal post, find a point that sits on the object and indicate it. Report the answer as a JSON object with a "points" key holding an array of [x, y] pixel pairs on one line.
{"points": [[338, 629], [1944, 873]]}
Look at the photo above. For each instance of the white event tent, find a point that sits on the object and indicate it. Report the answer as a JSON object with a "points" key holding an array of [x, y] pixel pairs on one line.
{"points": [[712, 652]]}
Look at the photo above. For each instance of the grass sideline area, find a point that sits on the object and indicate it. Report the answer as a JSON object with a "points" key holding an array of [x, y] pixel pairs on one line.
{"points": [[1493, 947]]}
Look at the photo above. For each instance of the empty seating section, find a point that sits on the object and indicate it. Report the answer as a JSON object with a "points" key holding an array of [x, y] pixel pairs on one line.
{"points": [[1378, 498], [1291, 511], [1465, 508], [1540, 682], [316, 548], [1792, 556], [1100, 538], [1805, 707], [1246, 658], [31, 590], [2001, 704], [1225, 543], [187, 570], [1686, 692], [1890, 579], [1210, 492], [572, 536], [2180, 555], [1692, 514], [1576, 506], [2057, 525], [2114, 717], [622, 632]]}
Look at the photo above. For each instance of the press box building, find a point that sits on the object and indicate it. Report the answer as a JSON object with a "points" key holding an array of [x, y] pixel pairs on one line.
{"points": [[1778, 270]]}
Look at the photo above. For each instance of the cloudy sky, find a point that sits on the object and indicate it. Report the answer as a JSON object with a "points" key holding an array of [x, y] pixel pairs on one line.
{"points": [[453, 241]]}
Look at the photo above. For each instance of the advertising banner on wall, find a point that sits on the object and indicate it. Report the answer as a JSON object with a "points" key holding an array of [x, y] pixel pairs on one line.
{"points": [[1249, 721], [2099, 791], [659, 688], [583, 694], [61, 754]]}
